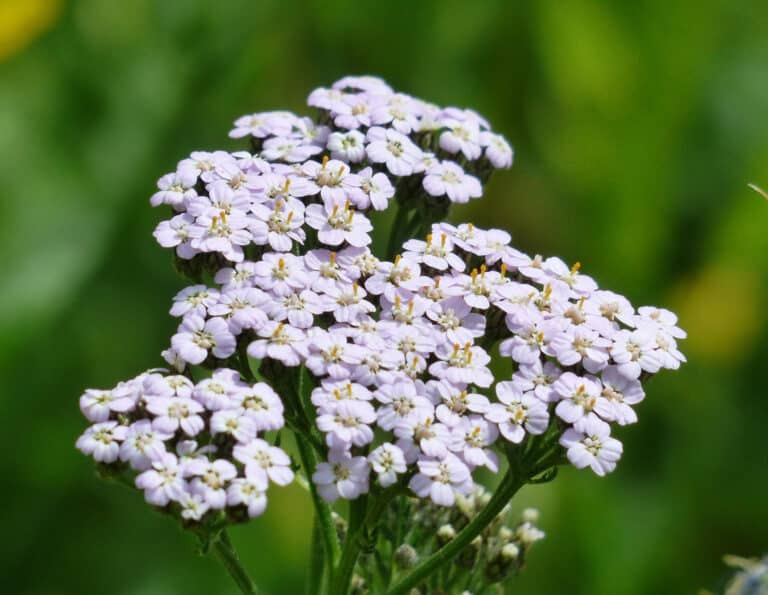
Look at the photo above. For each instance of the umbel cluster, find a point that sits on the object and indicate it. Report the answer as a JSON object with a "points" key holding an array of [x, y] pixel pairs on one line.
{"points": [[377, 366]]}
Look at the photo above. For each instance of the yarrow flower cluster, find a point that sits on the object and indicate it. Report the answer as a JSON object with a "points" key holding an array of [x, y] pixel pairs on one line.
{"points": [[380, 363], [195, 447], [325, 176]]}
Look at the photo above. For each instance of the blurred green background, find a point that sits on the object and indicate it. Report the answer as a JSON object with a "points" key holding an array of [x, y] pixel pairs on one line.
{"points": [[636, 126]]}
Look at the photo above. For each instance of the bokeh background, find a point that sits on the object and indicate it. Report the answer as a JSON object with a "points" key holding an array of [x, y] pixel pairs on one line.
{"points": [[636, 126]]}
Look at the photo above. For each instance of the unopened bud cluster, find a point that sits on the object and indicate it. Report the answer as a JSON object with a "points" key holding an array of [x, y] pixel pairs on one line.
{"points": [[498, 553]]}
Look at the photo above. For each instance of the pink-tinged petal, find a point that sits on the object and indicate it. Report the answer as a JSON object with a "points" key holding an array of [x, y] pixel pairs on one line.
{"points": [[442, 494], [282, 476]]}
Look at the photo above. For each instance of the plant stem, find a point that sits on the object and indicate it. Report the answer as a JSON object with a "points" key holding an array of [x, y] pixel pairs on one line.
{"points": [[225, 552], [316, 561], [512, 481], [322, 509], [343, 574]]}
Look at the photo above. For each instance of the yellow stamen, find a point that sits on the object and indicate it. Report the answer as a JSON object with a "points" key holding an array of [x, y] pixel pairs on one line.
{"points": [[575, 268], [325, 160], [503, 270], [281, 264], [289, 217], [333, 259]]}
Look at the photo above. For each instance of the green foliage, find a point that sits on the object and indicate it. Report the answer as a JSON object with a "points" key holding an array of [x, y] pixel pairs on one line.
{"points": [[637, 127]]}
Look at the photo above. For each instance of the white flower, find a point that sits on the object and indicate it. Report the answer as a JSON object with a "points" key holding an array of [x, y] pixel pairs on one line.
{"points": [[249, 493], [282, 342], [343, 476], [399, 401], [173, 413], [97, 405], [196, 337], [288, 149], [517, 413], [497, 149], [348, 424], [660, 319], [621, 392], [449, 179], [370, 190], [580, 397], [436, 254], [193, 505], [234, 423], [347, 146], [387, 460], [393, 149], [163, 482], [143, 444], [471, 437], [589, 444], [264, 462], [461, 136], [442, 479], [455, 401], [465, 365], [262, 404], [211, 479], [635, 352], [102, 441], [337, 222]]}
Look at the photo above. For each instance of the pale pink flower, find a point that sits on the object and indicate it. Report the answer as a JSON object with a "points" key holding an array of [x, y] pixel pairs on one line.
{"points": [[589, 444], [102, 441], [264, 462], [442, 479], [342, 476]]}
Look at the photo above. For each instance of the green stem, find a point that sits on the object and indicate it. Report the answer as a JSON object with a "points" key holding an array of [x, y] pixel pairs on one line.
{"points": [[352, 546], [225, 552], [316, 561], [322, 509], [513, 480]]}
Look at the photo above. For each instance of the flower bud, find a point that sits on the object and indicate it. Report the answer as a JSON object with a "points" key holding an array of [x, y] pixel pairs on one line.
{"points": [[406, 556], [506, 534], [469, 554], [529, 534], [445, 533], [530, 515], [510, 552]]}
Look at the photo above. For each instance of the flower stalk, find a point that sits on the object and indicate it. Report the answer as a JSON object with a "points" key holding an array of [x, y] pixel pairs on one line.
{"points": [[224, 551]]}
